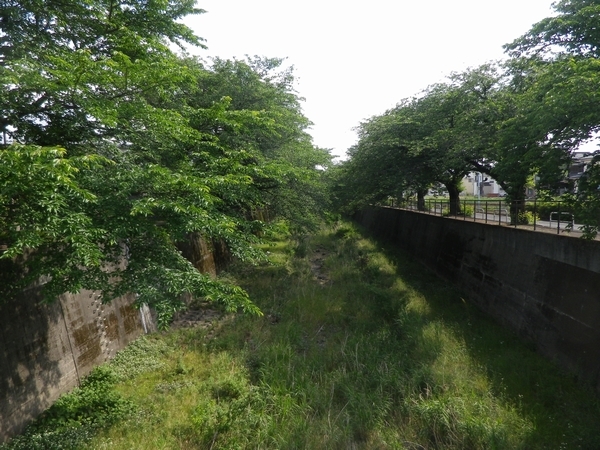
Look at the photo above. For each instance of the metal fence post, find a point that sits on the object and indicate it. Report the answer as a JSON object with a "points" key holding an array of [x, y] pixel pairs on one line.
{"points": [[486, 211], [499, 213], [558, 223]]}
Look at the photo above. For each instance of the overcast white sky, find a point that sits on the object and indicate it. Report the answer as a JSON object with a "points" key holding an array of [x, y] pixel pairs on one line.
{"points": [[354, 61]]}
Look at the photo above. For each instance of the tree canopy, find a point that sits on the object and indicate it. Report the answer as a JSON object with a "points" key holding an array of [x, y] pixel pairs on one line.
{"points": [[124, 148], [514, 121]]}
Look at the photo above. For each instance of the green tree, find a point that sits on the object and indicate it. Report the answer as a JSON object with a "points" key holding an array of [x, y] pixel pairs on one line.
{"points": [[373, 171], [440, 112], [498, 132], [275, 134], [492, 134], [96, 80], [67, 68], [130, 152], [566, 50], [573, 30], [412, 147]]}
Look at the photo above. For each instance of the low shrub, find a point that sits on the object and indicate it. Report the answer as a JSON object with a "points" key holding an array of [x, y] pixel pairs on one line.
{"points": [[74, 418], [528, 218], [543, 209]]}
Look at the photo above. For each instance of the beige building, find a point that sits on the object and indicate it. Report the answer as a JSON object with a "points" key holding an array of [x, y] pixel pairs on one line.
{"points": [[478, 184]]}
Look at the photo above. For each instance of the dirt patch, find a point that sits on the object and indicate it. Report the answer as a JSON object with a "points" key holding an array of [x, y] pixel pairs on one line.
{"points": [[316, 265], [196, 318], [200, 316]]}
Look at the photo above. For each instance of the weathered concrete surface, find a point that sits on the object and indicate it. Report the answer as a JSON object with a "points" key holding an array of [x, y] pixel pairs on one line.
{"points": [[207, 256], [543, 286], [45, 350]]}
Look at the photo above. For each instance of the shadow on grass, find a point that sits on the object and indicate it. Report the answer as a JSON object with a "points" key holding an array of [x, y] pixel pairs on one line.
{"points": [[564, 414]]}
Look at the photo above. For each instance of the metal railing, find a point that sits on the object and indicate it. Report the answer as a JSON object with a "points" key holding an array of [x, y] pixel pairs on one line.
{"points": [[528, 213]]}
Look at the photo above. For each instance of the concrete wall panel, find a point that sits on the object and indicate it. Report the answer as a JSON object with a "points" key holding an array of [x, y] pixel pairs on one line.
{"points": [[46, 349]]}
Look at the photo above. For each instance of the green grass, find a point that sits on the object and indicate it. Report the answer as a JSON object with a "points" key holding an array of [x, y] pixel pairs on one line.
{"points": [[384, 355]]}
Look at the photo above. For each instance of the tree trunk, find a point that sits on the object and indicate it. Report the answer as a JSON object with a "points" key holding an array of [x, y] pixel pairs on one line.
{"points": [[398, 199], [421, 199], [453, 193], [517, 206]]}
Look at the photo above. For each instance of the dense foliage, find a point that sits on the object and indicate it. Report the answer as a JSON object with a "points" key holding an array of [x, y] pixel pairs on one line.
{"points": [[123, 148], [515, 121]]}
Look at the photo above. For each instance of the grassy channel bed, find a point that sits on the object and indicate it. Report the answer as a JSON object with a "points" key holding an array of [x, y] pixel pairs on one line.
{"points": [[359, 347]]}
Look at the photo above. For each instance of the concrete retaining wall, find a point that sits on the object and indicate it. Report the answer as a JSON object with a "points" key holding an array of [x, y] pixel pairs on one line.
{"points": [[543, 286], [46, 349]]}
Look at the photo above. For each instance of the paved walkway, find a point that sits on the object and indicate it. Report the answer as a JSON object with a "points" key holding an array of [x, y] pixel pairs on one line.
{"points": [[542, 226]]}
